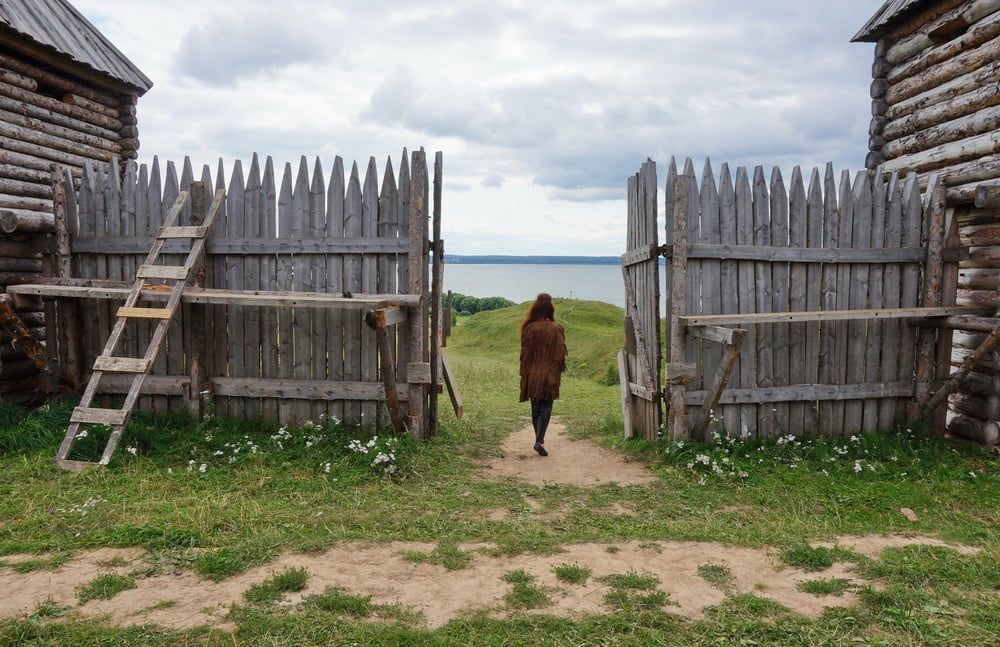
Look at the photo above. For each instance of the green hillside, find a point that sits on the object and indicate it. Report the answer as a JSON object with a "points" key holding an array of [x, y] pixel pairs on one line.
{"points": [[593, 335]]}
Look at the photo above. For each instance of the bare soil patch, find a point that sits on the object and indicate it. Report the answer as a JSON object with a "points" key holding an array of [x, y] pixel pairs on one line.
{"points": [[381, 571], [570, 462]]}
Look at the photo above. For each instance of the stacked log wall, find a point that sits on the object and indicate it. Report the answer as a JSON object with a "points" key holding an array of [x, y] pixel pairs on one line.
{"points": [[48, 120], [936, 110]]}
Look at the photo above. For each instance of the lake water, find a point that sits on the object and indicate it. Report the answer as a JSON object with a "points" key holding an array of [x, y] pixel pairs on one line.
{"points": [[521, 283]]}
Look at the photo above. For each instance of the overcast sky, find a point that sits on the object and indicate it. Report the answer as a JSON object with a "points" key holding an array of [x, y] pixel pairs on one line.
{"points": [[542, 108]]}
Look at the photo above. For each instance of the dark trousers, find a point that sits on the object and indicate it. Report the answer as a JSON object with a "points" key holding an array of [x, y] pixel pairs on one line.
{"points": [[541, 411]]}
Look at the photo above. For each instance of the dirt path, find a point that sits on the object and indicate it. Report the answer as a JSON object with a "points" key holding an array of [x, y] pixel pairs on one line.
{"points": [[570, 462], [381, 571]]}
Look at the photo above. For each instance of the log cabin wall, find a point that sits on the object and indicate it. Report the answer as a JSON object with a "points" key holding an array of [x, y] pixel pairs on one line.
{"points": [[48, 119], [936, 110]]}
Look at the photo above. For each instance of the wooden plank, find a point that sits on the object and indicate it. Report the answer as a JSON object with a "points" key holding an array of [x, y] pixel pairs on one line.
{"points": [[234, 275], [452, 386], [300, 389], [369, 283], [875, 330], [762, 293], [631, 280], [800, 414], [376, 321], [892, 275], [747, 300], [64, 204], [90, 415], [711, 276], [437, 279], [252, 215], [173, 385], [641, 255], [335, 283], [121, 364], [642, 392], [769, 253], [268, 228], [388, 265], [283, 281], [681, 191], [624, 379], [932, 288], [317, 283], [140, 327], [196, 316], [170, 209], [403, 282], [842, 342], [806, 392], [175, 272], [681, 373], [717, 334], [823, 315], [861, 232], [416, 260], [913, 218], [729, 281], [780, 273], [144, 313], [718, 385], [353, 282], [949, 289], [692, 286]]}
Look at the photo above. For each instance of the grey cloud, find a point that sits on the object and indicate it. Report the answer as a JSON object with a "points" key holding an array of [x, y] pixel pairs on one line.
{"points": [[226, 49], [493, 180]]}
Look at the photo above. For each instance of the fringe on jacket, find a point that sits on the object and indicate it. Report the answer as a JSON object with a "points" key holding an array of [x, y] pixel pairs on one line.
{"points": [[543, 360]]}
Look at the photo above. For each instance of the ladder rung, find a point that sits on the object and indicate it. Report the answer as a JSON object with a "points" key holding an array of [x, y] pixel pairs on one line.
{"points": [[75, 466], [178, 272], [145, 313], [181, 232], [121, 364], [99, 416]]}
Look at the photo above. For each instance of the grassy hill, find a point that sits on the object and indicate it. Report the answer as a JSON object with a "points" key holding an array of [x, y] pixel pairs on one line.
{"points": [[593, 336]]}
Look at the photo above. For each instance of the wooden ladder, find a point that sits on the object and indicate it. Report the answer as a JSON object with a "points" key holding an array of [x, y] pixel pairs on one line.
{"points": [[177, 277]]}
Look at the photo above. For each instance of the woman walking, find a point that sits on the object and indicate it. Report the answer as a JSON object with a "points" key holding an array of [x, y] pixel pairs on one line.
{"points": [[543, 360]]}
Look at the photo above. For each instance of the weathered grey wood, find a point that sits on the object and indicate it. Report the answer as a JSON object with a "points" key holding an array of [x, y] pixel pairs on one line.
{"points": [[403, 215], [763, 286], [388, 266], [932, 288], [300, 389], [283, 280], [693, 301], [196, 316], [889, 356], [747, 299], [268, 212], [913, 218], [624, 379], [234, 276], [24, 204], [820, 392], [915, 51], [711, 277], [170, 360], [318, 283], [947, 154], [729, 281], [933, 401], [253, 226], [39, 105], [369, 283], [376, 321], [632, 279], [63, 210], [800, 416], [981, 431], [353, 282], [985, 120], [335, 341], [823, 315], [827, 366], [949, 289], [940, 74], [437, 279], [780, 272], [22, 221], [718, 385], [260, 246], [861, 236], [640, 255], [678, 425], [452, 386], [717, 334], [774, 254], [969, 323], [943, 112], [642, 339], [417, 227]]}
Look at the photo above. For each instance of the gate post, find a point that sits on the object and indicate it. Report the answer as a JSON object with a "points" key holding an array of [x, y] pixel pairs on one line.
{"points": [[678, 423]]}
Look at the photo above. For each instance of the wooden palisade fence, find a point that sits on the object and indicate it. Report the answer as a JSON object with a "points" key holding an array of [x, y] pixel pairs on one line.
{"points": [[791, 309], [296, 262]]}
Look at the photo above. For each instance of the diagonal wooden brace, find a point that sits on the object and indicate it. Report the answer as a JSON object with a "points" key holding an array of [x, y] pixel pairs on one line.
{"points": [[719, 382]]}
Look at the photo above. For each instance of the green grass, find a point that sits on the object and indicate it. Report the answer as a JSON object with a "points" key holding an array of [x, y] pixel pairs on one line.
{"points": [[524, 594], [104, 587], [31, 565], [448, 555], [831, 586], [631, 580], [718, 575], [572, 573], [338, 601], [275, 587], [518, 576], [244, 513], [809, 558], [623, 600]]}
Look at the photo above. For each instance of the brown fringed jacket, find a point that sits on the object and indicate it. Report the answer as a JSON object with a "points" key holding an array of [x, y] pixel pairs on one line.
{"points": [[543, 359]]}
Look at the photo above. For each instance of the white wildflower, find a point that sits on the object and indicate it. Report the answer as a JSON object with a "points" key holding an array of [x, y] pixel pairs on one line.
{"points": [[857, 466], [972, 474], [132, 450]]}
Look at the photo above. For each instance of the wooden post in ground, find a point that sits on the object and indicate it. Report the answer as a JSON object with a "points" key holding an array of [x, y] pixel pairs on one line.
{"points": [[197, 316], [678, 426], [437, 278], [70, 349], [949, 292], [376, 321], [933, 275], [416, 262]]}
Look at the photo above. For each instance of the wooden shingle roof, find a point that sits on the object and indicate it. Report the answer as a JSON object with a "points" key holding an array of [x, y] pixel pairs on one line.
{"points": [[888, 16], [58, 25]]}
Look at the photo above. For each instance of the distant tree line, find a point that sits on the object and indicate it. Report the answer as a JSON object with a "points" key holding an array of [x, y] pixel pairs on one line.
{"points": [[468, 305]]}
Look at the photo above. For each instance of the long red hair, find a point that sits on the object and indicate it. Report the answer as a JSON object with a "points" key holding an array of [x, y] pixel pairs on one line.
{"points": [[540, 310]]}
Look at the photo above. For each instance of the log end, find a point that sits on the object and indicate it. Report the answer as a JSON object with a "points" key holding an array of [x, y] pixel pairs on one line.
{"points": [[987, 196]]}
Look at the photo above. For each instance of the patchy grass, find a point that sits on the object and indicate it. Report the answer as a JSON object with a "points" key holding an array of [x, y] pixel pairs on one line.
{"points": [[275, 587], [448, 555], [104, 587], [830, 586], [524, 594], [49, 609], [572, 573], [337, 601], [225, 562], [809, 558], [631, 580], [624, 600], [718, 575], [31, 565]]}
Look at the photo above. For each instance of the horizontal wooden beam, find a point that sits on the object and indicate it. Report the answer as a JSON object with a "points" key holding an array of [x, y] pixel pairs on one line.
{"points": [[641, 255], [805, 393], [965, 323], [223, 297], [248, 246], [680, 373], [640, 391], [718, 334], [815, 255], [829, 315], [254, 387]]}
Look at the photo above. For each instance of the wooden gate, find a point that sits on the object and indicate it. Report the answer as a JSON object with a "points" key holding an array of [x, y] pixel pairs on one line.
{"points": [[791, 309]]}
